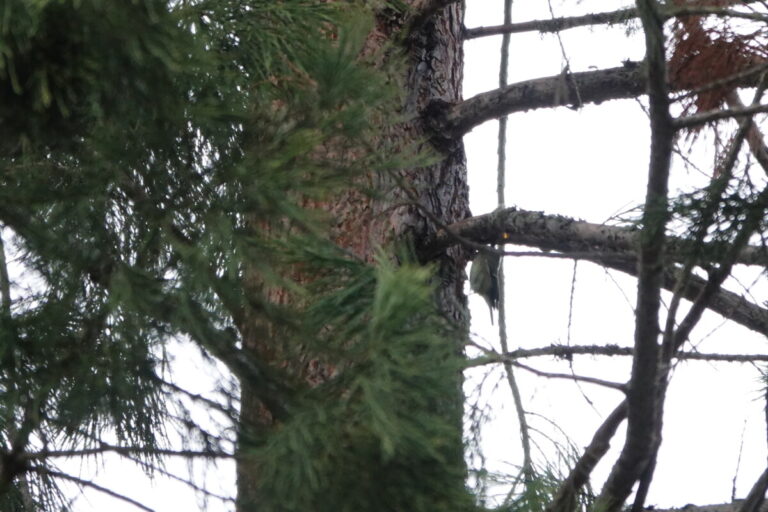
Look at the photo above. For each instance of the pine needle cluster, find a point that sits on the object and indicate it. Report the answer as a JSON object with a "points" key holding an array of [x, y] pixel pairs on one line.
{"points": [[148, 149]]}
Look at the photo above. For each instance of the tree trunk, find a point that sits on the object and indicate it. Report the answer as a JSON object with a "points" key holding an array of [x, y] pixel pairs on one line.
{"points": [[434, 75]]}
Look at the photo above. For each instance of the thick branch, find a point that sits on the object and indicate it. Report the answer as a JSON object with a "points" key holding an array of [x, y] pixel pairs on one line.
{"points": [[642, 418], [451, 122], [568, 235], [610, 246], [726, 303], [756, 496]]}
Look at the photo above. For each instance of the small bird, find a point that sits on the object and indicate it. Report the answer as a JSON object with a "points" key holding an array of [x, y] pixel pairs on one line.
{"points": [[484, 278]]}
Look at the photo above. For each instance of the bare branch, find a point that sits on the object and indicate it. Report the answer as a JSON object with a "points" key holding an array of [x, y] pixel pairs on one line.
{"points": [[609, 246], [716, 115], [726, 303], [5, 282], [554, 24], [565, 499], [85, 483], [570, 376], [501, 171], [604, 18], [450, 122], [567, 235], [642, 416], [568, 351], [125, 450], [754, 137], [453, 121], [754, 500]]}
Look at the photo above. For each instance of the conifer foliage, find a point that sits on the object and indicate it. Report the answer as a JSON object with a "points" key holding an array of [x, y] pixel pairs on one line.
{"points": [[148, 150]]}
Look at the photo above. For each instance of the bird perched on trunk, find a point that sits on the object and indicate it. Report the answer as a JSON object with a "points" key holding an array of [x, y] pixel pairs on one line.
{"points": [[484, 278]]}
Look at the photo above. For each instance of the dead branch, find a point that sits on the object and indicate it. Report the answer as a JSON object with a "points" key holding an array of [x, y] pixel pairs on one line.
{"points": [[726, 303], [86, 483], [642, 415], [554, 24], [569, 376], [550, 232], [754, 500], [604, 18], [716, 115], [566, 498], [609, 246], [450, 122], [568, 351]]}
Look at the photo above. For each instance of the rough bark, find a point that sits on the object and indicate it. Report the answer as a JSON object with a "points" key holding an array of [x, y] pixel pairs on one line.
{"points": [[451, 121], [568, 235], [400, 214]]}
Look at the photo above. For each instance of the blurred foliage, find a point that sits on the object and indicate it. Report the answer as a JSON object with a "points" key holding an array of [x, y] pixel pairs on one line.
{"points": [[145, 146]]}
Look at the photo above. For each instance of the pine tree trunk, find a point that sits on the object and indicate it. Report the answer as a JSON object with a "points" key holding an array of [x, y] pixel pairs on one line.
{"points": [[435, 62]]}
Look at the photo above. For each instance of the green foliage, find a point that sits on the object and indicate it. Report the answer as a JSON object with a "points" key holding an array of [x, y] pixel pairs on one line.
{"points": [[376, 436], [154, 158]]}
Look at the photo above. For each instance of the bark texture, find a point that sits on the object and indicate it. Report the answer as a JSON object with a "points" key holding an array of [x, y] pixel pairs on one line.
{"points": [[399, 214]]}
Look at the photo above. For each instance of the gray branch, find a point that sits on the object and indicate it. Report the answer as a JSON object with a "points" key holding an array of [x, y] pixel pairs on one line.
{"points": [[568, 235]]}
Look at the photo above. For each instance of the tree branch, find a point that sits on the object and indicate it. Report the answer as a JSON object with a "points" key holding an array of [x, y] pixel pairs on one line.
{"points": [[604, 18], [85, 483], [554, 24], [726, 303], [609, 246], [568, 351], [716, 115], [450, 122], [642, 417], [569, 376], [126, 451], [754, 500], [566, 498], [567, 235]]}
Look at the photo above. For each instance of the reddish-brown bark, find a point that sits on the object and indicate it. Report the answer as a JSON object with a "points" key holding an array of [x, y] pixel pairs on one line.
{"points": [[362, 222]]}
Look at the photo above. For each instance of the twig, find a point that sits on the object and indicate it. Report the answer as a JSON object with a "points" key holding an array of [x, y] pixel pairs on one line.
{"points": [[553, 24], [96, 487], [5, 282], [123, 450], [602, 18], [568, 351], [715, 115], [580, 378]]}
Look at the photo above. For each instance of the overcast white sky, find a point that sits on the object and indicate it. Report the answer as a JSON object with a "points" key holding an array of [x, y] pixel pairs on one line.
{"points": [[592, 164], [589, 164]]}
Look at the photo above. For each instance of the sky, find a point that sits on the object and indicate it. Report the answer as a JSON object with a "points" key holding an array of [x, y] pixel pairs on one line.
{"points": [[589, 164]]}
